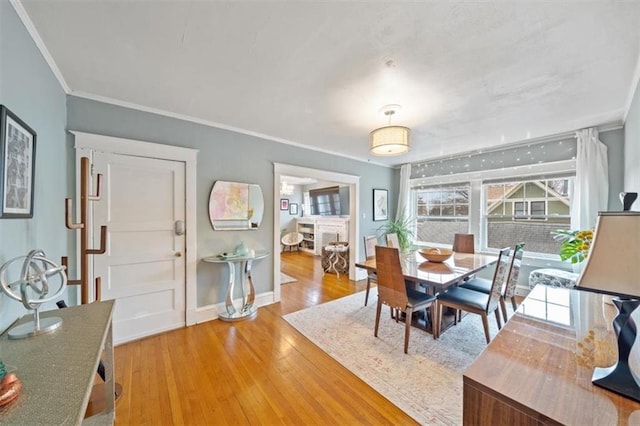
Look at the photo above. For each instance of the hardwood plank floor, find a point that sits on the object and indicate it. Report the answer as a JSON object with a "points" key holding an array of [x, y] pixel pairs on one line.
{"points": [[259, 371]]}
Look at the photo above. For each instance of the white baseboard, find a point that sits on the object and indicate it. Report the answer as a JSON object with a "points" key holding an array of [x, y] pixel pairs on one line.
{"points": [[210, 312]]}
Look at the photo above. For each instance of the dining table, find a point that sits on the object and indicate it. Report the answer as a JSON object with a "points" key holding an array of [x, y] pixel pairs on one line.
{"points": [[435, 277]]}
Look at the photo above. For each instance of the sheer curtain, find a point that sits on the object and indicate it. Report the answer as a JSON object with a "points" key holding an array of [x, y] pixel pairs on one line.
{"points": [[403, 193], [591, 189], [591, 192]]}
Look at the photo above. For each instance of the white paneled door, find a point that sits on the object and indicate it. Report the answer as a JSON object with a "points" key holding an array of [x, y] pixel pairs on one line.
{"points": [[143, 206]]}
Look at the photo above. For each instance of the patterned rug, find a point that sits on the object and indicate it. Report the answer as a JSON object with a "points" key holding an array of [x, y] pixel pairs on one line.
{"points": [[426, 383], [286, 279]]}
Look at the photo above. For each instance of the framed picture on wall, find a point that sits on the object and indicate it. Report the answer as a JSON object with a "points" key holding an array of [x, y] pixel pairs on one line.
{"points": [[380, 204], [284, 204], [17, 166], [293, 208]]}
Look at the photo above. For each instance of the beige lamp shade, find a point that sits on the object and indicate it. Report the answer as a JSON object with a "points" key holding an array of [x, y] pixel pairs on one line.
{"points": [[613, 264], [389, 140]]}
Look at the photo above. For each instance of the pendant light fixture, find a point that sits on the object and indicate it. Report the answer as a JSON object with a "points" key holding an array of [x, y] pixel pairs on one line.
{"points": [[389, 140]]}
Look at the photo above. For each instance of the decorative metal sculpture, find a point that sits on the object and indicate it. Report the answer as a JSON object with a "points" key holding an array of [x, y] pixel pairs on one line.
{"points": [[38, 277]]}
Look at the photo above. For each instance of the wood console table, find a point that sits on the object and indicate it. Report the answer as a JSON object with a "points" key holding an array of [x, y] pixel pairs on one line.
{"points": [[530, 374], [57, 369]]}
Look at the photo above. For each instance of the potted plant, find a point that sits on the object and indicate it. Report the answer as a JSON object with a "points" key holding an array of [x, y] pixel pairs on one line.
{"points": [[403, 227], [575, 244]]}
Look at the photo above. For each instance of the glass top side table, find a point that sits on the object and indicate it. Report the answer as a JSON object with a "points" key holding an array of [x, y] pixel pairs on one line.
{"points": [[246, 310]]}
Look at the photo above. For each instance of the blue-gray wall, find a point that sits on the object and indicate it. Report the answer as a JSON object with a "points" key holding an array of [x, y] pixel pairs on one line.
{"points": [[632, 148], [231, 156], [614, 140], [30, 90]]}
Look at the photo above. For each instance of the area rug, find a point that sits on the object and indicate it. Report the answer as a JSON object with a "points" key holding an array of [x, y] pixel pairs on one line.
{"points": [[426, 383], [286, 279]]}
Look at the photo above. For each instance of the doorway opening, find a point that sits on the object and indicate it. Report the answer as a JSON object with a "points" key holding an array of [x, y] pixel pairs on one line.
{"points": [[351, 181]]}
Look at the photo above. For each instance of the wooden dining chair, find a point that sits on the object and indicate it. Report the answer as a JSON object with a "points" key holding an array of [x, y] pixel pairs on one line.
{"points": [[393, 292], [464, 243], [370, 243], [392, 241], [476, 302], [509, 288]]}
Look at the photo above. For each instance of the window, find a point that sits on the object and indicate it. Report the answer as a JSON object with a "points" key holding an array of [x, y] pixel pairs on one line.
{"points": [[519, 193], [529, 209], [526, 210], [441, 212]]}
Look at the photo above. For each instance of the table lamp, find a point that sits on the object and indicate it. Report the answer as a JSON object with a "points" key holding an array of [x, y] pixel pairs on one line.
{"points": [[613, 268]]}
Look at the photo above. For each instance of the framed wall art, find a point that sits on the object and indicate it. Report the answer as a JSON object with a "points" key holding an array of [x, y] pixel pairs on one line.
{"points": [[284, 204], [380, 204], [17, 165], [293, 208]]}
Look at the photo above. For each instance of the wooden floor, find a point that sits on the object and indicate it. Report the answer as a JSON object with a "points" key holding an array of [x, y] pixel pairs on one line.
{"points": [[259, 371]]}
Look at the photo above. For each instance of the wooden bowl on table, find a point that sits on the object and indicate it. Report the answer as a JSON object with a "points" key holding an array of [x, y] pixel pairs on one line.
{"points": [[433, 254]]}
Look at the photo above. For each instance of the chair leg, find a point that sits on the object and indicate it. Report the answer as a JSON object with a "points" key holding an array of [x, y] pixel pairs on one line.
{"points": [[378, 309], [432, 312], [366, 295], [437, 321], [503, 307], [407, 328], [485, 324], [497, 313]]}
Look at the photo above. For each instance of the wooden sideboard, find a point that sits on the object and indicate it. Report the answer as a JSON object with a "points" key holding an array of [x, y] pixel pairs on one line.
{"points": [[535, 373], [57, 369]]}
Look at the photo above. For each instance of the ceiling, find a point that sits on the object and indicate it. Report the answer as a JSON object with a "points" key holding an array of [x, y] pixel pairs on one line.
{"points": [[468, 75]]}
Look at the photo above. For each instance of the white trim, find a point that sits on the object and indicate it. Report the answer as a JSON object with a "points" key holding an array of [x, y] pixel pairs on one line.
{"points": [[216, 125], [31, 29], [280, 169], [210, 312], [101, 143]]}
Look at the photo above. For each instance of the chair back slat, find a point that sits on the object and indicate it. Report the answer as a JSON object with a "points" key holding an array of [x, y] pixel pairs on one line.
{"points": [[498, 279], [392, 241], [391, 287], [463, 243], [514, 271], [370, 243]]}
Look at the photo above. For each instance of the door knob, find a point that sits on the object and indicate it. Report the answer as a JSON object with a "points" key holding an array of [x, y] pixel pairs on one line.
{"points": [[178, 254]]}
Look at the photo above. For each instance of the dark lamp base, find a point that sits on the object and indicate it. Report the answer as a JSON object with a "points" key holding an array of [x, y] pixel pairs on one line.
{"points": [[619, 378]]}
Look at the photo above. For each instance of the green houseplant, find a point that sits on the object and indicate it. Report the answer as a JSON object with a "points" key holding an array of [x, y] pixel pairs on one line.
{"points": [[403, 227], [575, 244]]}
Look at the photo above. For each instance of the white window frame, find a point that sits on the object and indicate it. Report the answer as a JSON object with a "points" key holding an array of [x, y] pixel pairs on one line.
{"points": [[477, 198]]}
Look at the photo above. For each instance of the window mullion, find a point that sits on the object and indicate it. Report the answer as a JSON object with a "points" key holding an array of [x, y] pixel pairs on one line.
{"points": [[476, 210]]}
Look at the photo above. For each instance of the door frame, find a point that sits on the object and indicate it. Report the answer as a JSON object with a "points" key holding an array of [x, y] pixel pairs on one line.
{"points": [[88, 143], [354, 214]]}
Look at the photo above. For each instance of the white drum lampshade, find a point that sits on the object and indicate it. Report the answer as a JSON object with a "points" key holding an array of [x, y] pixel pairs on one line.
{"points": [[389, 140]]}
